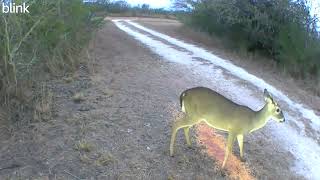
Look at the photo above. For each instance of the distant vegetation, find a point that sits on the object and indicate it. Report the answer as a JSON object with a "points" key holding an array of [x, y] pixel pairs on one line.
{"points": [[283, 30], [124, 9], [47, 40]]}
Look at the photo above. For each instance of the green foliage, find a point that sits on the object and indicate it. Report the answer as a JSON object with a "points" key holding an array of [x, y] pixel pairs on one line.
{"points": [[46, 39], [281, 29]]}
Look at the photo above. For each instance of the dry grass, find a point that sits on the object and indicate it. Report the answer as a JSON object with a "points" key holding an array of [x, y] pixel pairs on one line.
{"points": [[91, 57], [78, 97], [170, 177], [105, 159], [84, 146], [43, 105], [108, 92], [3, 115], [68, 79], [184, 160], [85, 159]]}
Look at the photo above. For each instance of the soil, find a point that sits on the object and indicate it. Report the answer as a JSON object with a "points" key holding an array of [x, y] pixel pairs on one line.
{"points": [[120, 127]]}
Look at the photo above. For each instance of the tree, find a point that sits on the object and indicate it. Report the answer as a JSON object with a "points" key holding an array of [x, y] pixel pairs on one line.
{"points": [[183, 5], [145, 6]]}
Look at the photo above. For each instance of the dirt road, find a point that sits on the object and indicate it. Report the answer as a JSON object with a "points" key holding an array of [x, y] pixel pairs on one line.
{"points": [[121, 127]]}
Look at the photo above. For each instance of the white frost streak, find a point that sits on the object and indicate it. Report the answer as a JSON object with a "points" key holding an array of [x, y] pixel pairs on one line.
{"points": [[158, 47], [305, 150]]}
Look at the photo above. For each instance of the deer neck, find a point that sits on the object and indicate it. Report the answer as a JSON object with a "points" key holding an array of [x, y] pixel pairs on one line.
{"points": [[260, 119]]}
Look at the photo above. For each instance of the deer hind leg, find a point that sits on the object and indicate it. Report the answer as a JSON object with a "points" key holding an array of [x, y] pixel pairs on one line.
{"points": [[231, 138], [186, 134], [240, 142], [183, 122]]}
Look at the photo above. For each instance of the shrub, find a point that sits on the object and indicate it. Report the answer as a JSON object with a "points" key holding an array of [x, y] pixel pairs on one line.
{"points": [[47, 39], [281, 29]]}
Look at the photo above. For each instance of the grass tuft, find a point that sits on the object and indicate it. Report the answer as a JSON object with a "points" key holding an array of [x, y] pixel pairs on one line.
{"points": [[84, 146], [105, 159], [85, 159], [78, 97]]}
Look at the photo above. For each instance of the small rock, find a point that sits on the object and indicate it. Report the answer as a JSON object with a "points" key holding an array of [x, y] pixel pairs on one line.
{"points": [[84, 108], [147, 124]]}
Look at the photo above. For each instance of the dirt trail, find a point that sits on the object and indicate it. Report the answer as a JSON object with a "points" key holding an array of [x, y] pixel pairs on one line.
{"points": [[121, 130]]}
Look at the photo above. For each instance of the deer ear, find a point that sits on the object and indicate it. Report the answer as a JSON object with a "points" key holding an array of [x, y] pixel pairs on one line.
{"points": [[267, 96], [266, 93]]}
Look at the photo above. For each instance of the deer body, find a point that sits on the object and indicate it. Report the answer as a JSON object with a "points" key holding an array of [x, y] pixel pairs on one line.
{"points": [[203, 104]]}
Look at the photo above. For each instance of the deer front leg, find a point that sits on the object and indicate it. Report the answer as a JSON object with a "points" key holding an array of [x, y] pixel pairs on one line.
{"points": [[183, 122], [240, 143], [231, 138]]}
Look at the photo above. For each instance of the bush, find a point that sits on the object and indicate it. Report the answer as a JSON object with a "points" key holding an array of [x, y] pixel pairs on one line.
{"points": [[281, 29], [46, 39]]}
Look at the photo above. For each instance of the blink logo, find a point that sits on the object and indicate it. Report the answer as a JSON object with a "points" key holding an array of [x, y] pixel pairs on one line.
{"points": [[8, 6]]}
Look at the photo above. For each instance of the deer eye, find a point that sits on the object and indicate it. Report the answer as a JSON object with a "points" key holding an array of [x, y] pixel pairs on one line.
{"points": [[278, 110]]}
